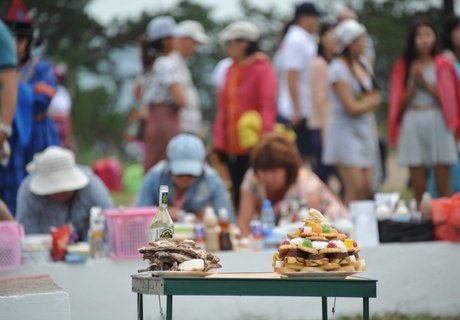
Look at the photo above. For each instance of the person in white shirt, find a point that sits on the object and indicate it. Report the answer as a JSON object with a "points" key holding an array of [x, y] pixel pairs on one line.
{"points": [[188, 35], [61, 106], [162, 91], [219, 72], [296, 54]]}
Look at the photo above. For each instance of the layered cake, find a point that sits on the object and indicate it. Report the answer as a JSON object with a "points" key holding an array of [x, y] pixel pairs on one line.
{"points": [[317, 247]]}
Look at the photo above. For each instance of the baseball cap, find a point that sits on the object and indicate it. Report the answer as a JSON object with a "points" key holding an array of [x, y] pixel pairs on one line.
{"points": [[186, 155], [306, 8], [346, 32], [240, 30], [160, 27], [192, 29]]}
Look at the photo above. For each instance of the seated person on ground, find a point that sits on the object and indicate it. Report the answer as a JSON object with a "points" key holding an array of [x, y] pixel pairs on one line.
{"points": [[193, 184], [277, 174], [57, 191]]}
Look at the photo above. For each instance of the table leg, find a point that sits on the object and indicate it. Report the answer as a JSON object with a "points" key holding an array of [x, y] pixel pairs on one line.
{"points": [[366, 308], [169, 306], [140, 307], [324, 305]]}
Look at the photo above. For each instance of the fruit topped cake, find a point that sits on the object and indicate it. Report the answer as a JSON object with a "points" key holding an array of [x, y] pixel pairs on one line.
{"points": [[317, 247]]}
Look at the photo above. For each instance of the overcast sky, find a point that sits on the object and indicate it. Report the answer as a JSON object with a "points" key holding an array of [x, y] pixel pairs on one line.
{"points": [[106, 10]]}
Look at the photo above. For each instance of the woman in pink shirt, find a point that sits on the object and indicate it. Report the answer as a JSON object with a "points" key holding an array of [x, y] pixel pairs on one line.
{"points": [[424, 110], [277, 174]]}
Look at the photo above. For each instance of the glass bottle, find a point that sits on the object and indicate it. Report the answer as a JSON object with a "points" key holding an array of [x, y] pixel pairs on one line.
{"points": [[224, 236], [162, 225]]}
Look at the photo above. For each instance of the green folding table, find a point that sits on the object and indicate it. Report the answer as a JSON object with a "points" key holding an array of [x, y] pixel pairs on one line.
{"points": [[256, 284]]}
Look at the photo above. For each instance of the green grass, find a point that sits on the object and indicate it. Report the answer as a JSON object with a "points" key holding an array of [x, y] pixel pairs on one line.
{"points": [[123, 199]]}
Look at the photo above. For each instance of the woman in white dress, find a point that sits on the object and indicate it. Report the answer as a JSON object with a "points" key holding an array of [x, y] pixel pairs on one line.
{"points": [[350, 139]]}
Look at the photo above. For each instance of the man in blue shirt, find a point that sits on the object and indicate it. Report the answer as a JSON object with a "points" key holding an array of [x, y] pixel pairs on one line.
{"points": [[193, 185]]}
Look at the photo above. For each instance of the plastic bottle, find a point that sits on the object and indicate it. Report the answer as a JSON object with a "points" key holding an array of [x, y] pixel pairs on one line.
{"points": [[96, 232], [293, 209], [267, 218], [425, 206], [257, 235], [200, 236], [402, 213], [211, 229], [414, 213], [283, 215], [303, 211], [224, 235]]}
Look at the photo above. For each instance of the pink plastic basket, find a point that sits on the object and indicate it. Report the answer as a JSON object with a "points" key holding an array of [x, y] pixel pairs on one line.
{"points": [[128, 230], [11, 234]]}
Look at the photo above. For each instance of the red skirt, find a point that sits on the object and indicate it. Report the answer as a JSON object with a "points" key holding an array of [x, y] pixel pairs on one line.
{"points": [[162, 125]]}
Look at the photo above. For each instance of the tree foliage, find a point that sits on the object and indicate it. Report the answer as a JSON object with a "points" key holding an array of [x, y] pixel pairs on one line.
{"points": [[74, 37]]}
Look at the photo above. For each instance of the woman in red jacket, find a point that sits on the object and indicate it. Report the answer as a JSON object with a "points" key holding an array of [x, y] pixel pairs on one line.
{"points": [[246, 101], [424, 110]]}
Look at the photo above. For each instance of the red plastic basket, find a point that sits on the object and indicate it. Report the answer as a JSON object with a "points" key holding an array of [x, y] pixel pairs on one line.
{"points": [[11, 234], [128, 230]]}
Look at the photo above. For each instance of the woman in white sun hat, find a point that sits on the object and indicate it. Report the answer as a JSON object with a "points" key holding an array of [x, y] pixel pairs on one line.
{"points": [[58, 192], [350, 142]]}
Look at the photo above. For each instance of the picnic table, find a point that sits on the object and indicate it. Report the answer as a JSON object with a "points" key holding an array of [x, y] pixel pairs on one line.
{"points": [[251, 284]]}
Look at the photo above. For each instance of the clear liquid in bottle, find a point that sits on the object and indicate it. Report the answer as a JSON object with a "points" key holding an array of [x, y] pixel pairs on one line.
{"points": [[162, 225]]}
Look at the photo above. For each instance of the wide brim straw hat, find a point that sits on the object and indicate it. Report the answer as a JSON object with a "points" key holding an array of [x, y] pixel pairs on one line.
{"points": [[54, 171]]}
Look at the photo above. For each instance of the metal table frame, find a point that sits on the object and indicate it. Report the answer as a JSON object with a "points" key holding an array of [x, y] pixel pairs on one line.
{"points": [[352, 287]]}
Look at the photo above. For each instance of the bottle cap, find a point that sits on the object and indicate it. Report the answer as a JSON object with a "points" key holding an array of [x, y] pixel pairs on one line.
{"points": [[266, 203], [210, 219], [223, 213]]}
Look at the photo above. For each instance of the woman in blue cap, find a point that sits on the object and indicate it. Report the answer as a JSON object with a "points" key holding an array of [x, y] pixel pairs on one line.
{"points": [[161, 94], [193, 184]]}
